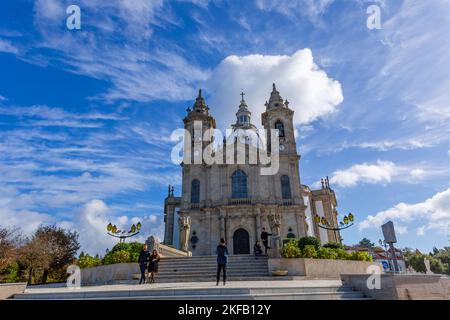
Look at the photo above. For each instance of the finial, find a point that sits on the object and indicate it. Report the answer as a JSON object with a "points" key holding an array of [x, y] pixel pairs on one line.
{"points": [[169, 191], [323, 183], [273, 87], [242, 95], [200, 92]]}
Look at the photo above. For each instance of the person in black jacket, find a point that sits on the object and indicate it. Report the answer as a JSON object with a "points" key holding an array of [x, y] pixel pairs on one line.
{"points": [[153, 265], [265, 239], [144, 257], [222, 259]]}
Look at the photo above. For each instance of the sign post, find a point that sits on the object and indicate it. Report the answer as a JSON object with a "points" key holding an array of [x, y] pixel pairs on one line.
{"points": [[390, 238]]}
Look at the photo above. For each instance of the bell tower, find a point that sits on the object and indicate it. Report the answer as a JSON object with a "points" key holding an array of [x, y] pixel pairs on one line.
{"points": [[279, 116]]}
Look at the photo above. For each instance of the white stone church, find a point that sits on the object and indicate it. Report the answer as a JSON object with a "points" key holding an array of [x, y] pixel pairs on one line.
{"points": [[235, 201]]}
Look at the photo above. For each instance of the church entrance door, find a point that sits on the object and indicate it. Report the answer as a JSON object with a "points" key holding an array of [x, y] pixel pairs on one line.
{"points": [[241, 242]]}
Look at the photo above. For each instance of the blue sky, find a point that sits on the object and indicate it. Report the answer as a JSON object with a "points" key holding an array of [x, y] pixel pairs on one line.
{"points": [[86, 115]]}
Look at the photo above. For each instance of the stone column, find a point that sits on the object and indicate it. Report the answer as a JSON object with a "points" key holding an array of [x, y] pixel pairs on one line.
{"points": [[258, 222], [222, 223]]}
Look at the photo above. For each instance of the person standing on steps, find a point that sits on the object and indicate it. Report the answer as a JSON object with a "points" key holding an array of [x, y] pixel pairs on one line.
{"points": [[265, 239], [153, 265], [222, 259], [143, 260]]}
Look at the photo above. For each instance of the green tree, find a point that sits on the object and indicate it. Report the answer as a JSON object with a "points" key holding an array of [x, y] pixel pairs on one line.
{"points": [[436, 265], [366, 243], [416, 261]]}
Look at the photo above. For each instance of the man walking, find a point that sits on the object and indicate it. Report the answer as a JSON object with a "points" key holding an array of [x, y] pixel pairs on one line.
{"points": [[265, 239]]}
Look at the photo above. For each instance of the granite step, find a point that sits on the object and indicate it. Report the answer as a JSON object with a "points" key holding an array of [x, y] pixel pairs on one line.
{"points": [[215, 293]]}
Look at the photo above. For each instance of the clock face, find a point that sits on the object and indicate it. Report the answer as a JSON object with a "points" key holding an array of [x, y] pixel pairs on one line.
{"points": [[282, 147]]}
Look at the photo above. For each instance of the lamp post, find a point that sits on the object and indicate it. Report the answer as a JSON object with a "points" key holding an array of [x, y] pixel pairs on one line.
{"points": [[323, 223], [115, 232]]}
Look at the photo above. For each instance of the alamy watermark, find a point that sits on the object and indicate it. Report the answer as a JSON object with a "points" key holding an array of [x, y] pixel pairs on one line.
{"points": [[74, 280], [73, 21], [374, 18], [242, 146], [374, 280]]}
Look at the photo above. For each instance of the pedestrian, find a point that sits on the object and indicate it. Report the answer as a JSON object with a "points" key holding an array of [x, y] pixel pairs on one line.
{"points": [[222, 259], [257, 251], [265, 239], [143, 260], [153, 265]]}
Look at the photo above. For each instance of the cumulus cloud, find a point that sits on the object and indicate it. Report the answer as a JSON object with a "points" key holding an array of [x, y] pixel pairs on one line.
{"points": [[94, 217], [432, 214], [382, 172], [311, 93]]}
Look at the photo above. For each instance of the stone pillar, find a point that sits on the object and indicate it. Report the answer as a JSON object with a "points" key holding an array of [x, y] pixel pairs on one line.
{"points": [[258, 222], [222, 223], [169, 216]]}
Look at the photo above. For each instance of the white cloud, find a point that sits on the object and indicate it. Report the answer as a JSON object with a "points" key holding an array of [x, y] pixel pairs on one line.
{"points": [[94, 217], [432, 214], [311, 93], [419, 65], [383, 172], [8, 47], [312, 9]]}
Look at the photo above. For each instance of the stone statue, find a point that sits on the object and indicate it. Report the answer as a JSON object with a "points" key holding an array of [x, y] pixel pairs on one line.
{"points": [[275, 240], [184, 222], [427, 266], [152, 243]]}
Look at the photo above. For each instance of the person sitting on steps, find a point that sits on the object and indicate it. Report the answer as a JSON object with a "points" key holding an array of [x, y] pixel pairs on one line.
{"points": [[257, 251], [265, 239]]}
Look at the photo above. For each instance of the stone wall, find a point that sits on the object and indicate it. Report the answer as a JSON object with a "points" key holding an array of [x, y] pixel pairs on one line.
{"points": [[403, 287], [320, 268], [109, 273], [7, 290]]}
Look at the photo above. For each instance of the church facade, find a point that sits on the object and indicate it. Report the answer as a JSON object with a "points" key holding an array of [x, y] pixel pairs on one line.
{"points": [[232, 199]]}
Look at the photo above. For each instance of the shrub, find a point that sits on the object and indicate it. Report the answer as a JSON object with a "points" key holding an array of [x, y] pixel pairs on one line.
{"points": [[361, 256], [342, 254], [86, 261], [416, 261], [437, 266], [309, 251], [291, 250], [309, 241], [333, 245], [120, 256], [327, 253]]}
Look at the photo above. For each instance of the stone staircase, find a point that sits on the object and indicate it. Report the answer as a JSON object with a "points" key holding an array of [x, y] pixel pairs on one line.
{"points": [[204, 268], [238, 290]]}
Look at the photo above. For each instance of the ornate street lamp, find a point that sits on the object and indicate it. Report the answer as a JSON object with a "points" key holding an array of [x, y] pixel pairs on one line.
{"points": [[323, 223], [115, 232]]}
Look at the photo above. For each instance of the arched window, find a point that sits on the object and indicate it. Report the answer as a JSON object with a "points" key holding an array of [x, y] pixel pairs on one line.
{"points": [[195, 191], [280, 126], [285, 187], [239, 184]]}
